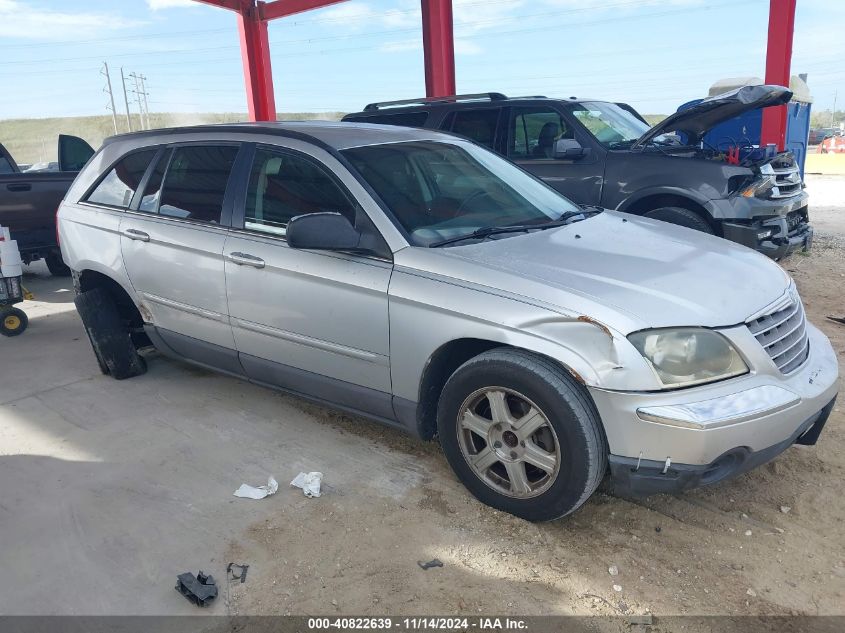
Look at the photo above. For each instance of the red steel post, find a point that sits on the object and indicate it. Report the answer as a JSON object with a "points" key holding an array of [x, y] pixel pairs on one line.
{"points": [[258, 74], [438, 47], [778, 62]]}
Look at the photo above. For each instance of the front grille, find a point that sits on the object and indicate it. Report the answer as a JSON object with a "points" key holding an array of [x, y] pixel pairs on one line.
{"points": [[783, 334], [796, 221], [787, 177]]}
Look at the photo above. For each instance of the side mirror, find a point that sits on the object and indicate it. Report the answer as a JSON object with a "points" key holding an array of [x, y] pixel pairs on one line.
{"points": [[323, 231], [569, 148]]}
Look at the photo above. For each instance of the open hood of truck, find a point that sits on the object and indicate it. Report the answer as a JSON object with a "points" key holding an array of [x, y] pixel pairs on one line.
{"points": [[696, 120]]}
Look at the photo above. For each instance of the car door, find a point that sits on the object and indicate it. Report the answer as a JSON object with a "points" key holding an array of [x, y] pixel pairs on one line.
{"points": [[314, 322], [532, 132], [172, 243]]}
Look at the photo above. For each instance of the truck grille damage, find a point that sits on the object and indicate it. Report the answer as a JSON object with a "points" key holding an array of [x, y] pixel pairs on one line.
{"points": [[783, 334]]}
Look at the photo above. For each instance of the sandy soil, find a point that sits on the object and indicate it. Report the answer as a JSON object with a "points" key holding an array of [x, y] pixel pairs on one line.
{"points": [[770, 542]]}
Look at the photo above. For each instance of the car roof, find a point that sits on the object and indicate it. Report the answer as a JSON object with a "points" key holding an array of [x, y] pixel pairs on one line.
{"points": [[333, 134], [445, 103]]}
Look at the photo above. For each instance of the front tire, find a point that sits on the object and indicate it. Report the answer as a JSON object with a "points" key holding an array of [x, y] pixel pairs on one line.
{"points": [[521, 434], [109, 335], [681, 217]]}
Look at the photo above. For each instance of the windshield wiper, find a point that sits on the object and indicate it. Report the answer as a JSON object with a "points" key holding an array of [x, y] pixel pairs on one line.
{"points": [[495, 230], [487, 231]]}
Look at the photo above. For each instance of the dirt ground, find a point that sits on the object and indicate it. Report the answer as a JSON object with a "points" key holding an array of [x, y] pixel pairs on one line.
{"points": [[136, 477]]}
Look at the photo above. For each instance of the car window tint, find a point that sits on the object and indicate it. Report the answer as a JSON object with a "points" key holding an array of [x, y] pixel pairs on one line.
{"points": [[152, 192], [477, 125], [5, 166], [195, 183], [282, 186], [534, 132], [120, 184], [410, 119]]}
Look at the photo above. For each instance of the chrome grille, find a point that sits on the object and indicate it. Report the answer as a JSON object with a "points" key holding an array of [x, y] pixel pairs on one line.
{"points": [[787, 177], [783, 334]]}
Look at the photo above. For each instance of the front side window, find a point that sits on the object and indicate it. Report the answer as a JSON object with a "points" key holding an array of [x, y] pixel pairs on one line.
{"points": [[441, 190], [195, 183], [477, 125], [611, 125], [284, 185], [534, 132], [120, 184]]}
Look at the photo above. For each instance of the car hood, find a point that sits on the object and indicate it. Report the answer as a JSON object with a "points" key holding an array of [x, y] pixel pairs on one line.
{"points": [[696, 120], [630, 273]]}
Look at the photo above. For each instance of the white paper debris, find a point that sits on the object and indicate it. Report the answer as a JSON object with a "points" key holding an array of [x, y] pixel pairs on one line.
{"points": [[309, 482], [250, 492]]}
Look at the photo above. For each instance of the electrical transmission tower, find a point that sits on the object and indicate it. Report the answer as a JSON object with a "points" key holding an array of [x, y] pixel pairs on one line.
{"points": [[110, 106], [141, 98]]}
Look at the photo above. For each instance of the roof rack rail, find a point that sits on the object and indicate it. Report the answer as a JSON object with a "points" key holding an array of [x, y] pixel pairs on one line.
{"points": [[531, 97], [480, 96]]}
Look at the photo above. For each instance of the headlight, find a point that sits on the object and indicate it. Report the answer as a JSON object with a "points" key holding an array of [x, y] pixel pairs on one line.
{"points": [[759, 188], [688, 356]]}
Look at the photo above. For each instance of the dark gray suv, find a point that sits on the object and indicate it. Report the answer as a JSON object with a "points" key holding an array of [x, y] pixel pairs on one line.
{"points": [[605, 154]]}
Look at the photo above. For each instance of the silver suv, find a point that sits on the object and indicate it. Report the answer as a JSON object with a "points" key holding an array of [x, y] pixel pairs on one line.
{"points": [[425, 282]]}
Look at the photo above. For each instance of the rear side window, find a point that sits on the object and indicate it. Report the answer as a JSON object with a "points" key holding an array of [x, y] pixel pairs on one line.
{"points": [[409, 119], [120, 184], [152, 192], [195, 183], [5, 166], [477, 125]]}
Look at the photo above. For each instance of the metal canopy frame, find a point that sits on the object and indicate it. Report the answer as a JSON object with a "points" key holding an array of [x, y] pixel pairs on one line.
{"points": [[439, 52]]}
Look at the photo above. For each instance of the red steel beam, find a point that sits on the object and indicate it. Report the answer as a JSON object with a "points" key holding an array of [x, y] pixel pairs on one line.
{"points": [[282, 8], [438, 47], [778, 62], [258, 74]]}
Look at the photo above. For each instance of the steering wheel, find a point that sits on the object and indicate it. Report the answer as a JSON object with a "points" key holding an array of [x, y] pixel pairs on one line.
{"points": [[473, 196]]}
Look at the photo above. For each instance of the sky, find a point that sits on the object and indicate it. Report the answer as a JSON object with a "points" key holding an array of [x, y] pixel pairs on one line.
{"points": [[653, 54]]}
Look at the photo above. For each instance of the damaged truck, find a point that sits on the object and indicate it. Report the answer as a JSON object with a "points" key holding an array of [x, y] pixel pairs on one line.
{"points": [[600, 153]]}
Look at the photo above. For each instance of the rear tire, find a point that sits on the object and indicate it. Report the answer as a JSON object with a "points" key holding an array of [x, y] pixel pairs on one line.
{"points": [[681, 217], [109, 335], [56, 266], [541, 467]]}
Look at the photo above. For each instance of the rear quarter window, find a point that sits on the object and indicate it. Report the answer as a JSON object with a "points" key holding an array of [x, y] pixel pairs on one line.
{"points": [[119, 185]]}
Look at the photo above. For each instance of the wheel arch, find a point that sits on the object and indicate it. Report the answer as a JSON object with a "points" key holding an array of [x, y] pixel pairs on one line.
{"points": [[445, 361], [89, 278], [659, 199]]}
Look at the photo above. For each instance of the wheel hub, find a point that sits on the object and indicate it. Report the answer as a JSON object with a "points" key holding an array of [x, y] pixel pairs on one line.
{"points": [[509, 442]]}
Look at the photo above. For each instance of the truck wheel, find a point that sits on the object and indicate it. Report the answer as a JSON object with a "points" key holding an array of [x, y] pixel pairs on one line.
{"points": [[109, 335], [13, 321], [521, 434], [681, 217], [56, 266]]}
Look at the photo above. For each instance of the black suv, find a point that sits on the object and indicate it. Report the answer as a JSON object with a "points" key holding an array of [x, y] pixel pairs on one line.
{"points": [[605, 154]]}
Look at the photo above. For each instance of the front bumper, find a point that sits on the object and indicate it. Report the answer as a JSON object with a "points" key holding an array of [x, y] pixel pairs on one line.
{"points": [[699, 435], [776, 228], [640, 478]]}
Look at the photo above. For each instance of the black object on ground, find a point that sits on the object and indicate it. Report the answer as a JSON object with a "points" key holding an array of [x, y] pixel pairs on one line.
{"points": [[241, 576], [432, 563], [199, 589]]}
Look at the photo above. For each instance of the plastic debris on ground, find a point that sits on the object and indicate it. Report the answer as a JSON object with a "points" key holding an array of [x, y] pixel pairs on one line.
{"points": [[309, 482], [251, 492], [200, 589], [432, 563]]}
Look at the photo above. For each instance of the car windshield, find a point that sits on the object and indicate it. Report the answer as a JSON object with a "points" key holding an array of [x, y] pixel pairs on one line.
{"points": [[611, 125], [440, 191]]}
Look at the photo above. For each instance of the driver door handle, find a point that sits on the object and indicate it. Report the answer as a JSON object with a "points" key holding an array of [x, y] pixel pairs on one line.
{"points": [[245, 259], [134, 234]]}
